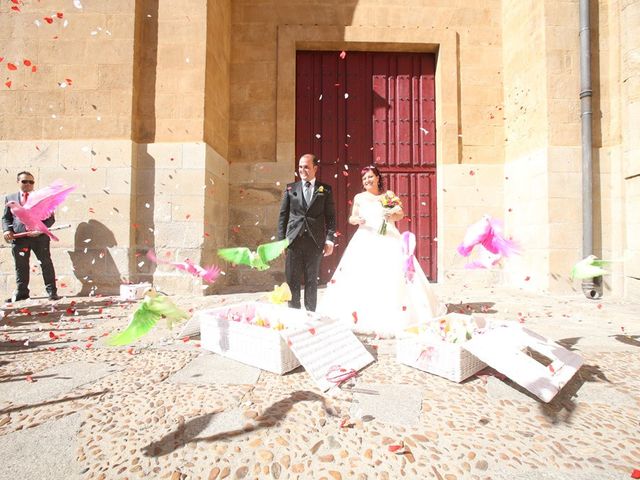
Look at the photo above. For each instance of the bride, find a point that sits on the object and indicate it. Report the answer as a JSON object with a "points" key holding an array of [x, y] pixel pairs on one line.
{"points": [[369, 288]]}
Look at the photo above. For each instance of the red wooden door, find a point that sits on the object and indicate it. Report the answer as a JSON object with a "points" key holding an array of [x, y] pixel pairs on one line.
{"points": [[372, 108]]}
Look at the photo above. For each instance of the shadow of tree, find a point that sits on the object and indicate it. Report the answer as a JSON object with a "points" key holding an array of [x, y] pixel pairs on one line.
{"points": [[627, 340], [471, 307], [189, 431], [569, 343], [52, 402], [48, 313]]}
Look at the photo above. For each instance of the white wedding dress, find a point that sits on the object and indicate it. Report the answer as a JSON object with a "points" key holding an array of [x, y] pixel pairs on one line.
{"points": [[369, 290]]}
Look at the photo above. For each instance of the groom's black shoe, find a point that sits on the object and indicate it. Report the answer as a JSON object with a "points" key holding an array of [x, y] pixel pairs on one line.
{"points": [[54, 296], [17, 298]]}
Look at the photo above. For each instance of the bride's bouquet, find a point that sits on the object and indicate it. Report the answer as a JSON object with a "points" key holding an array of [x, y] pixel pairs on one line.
{"points": [[388, 200]]}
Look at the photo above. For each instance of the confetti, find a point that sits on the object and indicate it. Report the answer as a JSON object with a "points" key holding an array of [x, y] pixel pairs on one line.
{"points": [[346, 95], [77, 4], [424, 130]]}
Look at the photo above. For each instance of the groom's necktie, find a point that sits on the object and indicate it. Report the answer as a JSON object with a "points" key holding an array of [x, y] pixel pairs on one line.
{"points": [[25, 196], [307, 192]]}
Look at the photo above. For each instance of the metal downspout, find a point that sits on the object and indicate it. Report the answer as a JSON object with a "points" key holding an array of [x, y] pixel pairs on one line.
{"points": [[592, 288]]}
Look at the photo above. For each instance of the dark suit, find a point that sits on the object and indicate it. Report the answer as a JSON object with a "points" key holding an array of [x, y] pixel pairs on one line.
{"points": [[22, 247], [307, 227]]}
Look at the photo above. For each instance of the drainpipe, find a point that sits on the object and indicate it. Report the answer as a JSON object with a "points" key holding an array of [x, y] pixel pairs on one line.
{"points": [[592, 288]]}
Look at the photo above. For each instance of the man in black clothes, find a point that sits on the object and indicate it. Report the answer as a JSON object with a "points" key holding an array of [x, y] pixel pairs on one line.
{"points": [[22, 247], [307, 219]]}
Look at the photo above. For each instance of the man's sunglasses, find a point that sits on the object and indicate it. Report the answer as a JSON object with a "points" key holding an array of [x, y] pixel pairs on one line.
{"points": [[30, 182]]}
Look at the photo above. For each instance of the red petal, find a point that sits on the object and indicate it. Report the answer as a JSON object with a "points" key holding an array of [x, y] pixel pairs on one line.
{"points": [[599, 305], [88, 345], [11, 66], [343, 54], [1, 59], [15, 8], [93, 169], [8, 84], [33, 68], [52, 335], [49, 20], [130, 350], [635, 473], [289, 341], [355, 317], [185, 339], [29, 379], [27, 62], [395, 448], [312, 331], [59, 14], [472, 173], [527, 278], [52, 349]]}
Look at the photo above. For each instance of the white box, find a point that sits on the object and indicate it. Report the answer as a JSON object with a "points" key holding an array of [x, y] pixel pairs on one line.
{"points": [[431, 354], [134, 291], [223, 330]]}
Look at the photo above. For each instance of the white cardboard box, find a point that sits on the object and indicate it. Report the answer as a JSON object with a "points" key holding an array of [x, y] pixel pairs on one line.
{"points": [[133, 291]]}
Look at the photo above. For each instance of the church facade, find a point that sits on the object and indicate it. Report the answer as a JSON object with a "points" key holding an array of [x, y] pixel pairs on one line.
{"points": [[181, 124]]}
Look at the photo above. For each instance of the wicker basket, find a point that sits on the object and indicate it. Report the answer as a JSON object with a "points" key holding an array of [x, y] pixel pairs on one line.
{"points": [[254, 345], [448, 360]]}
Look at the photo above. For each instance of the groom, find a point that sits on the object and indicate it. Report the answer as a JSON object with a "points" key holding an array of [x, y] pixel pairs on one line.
{"points": [[307, 219]]}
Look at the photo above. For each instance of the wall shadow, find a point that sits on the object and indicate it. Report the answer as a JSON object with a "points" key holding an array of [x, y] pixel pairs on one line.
{"points": [[92, 262], [142, 211], [145, 62]]}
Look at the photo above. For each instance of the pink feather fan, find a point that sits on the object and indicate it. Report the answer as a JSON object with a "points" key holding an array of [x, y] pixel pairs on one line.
{"points": [[40, 205], [208, 274], [487, 233]]}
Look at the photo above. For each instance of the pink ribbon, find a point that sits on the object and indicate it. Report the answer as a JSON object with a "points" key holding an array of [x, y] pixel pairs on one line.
{"points": [[408, 247], [339, 375]]}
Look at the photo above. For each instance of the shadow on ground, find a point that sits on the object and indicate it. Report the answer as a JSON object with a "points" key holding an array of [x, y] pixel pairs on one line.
{"points": [[189, 431]]}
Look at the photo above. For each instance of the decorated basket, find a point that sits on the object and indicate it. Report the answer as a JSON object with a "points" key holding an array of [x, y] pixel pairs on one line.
{"points": [[430, 353], [250, 333]]}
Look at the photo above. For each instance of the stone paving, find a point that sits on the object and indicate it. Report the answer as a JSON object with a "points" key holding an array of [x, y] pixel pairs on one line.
{"points": [[73, 408]]}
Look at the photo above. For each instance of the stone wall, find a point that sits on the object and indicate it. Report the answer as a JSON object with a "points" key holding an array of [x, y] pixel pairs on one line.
{"points": [[178, 126]]}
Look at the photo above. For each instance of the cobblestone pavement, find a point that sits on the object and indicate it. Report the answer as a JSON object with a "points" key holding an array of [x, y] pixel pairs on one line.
{"points": [[71, 407]]}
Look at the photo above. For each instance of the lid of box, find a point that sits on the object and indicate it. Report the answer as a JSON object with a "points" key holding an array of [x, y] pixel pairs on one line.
{"points": [[539, 365], [329, 352]]}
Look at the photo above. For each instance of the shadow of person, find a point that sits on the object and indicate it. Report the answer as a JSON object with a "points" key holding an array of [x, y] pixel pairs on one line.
{"points": [[92, 262], [188, 431]]}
